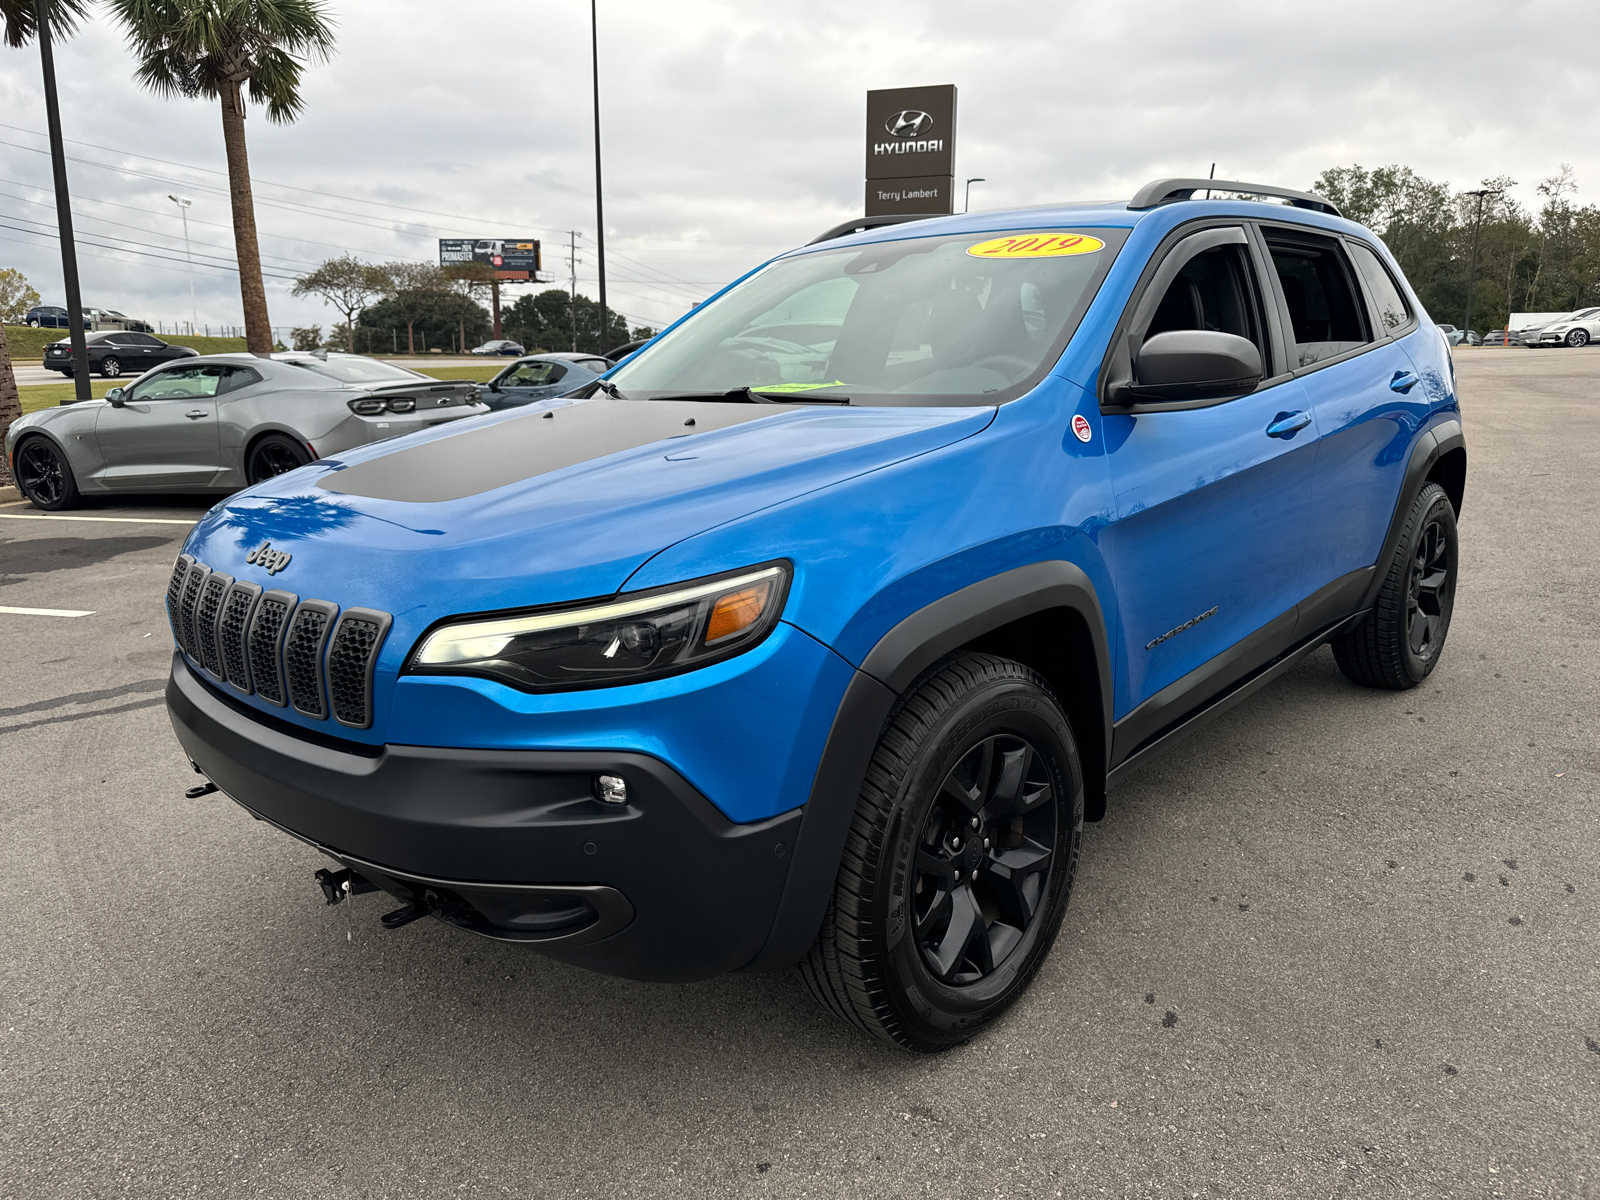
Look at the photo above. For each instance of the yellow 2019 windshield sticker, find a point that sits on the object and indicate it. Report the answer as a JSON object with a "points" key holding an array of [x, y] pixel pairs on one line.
{"points": [[1037, 245], [794, 387]]}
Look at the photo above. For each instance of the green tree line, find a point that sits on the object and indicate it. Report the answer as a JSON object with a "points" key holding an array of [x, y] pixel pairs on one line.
{"points": [[1543, 260]]}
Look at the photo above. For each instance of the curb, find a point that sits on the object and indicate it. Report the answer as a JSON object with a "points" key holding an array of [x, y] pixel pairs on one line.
{"points": [[9, 493]]}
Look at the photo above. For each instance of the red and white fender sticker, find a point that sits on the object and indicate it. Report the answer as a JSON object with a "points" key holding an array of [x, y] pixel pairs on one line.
{"points": [[1080, 426]]}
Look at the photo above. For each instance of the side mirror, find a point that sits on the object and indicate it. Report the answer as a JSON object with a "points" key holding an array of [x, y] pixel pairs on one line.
{"points": [[494, 385], [114, 396], [1193, 364]]}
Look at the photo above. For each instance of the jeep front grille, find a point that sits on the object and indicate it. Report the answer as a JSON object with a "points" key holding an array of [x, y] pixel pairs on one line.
{"points": [[304, 654], [352, 651], [266, 643], [205, 621]]}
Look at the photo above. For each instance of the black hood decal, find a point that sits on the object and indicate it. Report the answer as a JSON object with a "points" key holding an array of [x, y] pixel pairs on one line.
{"points": [[479, 460]]}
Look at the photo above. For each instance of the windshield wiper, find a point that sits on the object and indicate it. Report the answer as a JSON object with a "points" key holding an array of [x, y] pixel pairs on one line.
{"points": [[747, 395]]}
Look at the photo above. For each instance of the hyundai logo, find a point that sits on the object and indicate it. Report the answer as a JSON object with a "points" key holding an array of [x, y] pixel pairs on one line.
{"points": [[910, 123]]}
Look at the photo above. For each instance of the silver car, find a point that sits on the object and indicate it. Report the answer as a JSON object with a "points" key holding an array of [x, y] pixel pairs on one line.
{"points": [[1579, 329], [222, 422]]}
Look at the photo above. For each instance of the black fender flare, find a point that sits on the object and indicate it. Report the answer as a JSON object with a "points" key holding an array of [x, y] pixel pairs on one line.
{"points": [[890, 667], [1443, 437]]}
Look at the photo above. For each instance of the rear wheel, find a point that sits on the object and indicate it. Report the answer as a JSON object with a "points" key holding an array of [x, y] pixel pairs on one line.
{"points": [[959, 860], [273, 455], [1399, 643], [110, 367], [43, 475]]}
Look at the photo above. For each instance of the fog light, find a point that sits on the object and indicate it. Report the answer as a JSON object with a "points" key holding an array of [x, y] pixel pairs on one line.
{"points": [[611, 789]]}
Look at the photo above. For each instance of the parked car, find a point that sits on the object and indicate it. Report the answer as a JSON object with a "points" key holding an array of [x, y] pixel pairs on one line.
{"points": [[115, 354], [1457, 336], [1499, 337], [500, 346], [821, 653], [46, 316], [542, 377], [1579, 329], [221, 421], [626, 350]]}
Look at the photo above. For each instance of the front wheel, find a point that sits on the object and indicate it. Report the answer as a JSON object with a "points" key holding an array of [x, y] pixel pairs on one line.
{"points": [[1399, 643], [33, 324], [274, 455], [959, 859], [1578, 337], [110, 367], [44, 476]]}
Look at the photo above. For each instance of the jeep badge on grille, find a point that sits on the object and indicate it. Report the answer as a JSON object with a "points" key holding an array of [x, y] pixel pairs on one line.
{"points": [[265, 556]]}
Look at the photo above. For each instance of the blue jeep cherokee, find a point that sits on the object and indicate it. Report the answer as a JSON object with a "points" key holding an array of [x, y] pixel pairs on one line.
{"points": [[814, 632]]}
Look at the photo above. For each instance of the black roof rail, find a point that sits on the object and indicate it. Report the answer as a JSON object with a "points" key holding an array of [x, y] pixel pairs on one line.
{"points": [[862, 224], [1165, 191]]}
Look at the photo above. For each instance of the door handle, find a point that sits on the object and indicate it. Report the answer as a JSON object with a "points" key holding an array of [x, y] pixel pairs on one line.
{"points": [[1403, 381], [1286, 425], [194, 414]]}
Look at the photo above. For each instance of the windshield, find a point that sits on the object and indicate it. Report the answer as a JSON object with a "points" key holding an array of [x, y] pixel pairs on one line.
{"points": [[969, 319], [357, 370]]}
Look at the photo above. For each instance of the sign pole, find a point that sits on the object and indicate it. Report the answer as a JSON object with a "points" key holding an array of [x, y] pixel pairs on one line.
{"points": [[69, 247], [599, 206]]}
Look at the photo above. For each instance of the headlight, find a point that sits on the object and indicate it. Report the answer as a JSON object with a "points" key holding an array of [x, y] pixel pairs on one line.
{"points": [[623, 640], [366, 407]]}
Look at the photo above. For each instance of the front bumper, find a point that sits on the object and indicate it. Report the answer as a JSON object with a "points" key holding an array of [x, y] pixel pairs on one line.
{"points": [[662, 888]]}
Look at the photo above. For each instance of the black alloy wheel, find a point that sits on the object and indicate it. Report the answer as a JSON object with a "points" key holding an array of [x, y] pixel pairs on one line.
{"points": [[273, 455], [983, 859], [44, 476], [1577, 338], [959, 858], [110, 366], [1399, 643]]}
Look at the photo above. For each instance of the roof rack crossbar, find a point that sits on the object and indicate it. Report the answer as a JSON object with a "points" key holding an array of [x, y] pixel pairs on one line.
{"points": [[862, 224], [1167, 191]]}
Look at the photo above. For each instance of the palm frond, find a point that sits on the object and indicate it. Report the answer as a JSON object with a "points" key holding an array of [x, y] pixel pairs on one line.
{"points": [[20, 19]]}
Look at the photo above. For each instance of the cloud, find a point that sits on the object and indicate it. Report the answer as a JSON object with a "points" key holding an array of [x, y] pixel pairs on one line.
{"points": [[734, 131]]}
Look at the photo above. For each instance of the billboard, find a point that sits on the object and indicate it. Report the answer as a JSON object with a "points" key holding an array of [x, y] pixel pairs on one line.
{"points": [[911, 150], [512, 257]]}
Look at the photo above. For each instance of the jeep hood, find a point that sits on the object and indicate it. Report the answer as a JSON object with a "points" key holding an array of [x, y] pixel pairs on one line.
{"points": [[532, 507]]}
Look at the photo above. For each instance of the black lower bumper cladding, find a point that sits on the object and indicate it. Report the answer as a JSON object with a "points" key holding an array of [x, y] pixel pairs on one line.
{"points": [[511, 844]]}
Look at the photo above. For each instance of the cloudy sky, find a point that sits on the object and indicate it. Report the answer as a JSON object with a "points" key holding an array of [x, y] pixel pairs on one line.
{"points": [[734, 130]]}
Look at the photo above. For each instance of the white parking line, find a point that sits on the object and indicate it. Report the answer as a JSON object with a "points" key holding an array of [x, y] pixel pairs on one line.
{"points": [[47, 612], [123, 520]]}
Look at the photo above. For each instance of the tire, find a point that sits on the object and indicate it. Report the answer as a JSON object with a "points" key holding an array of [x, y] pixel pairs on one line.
{"points": [[1399, 643], [977, 733], [44, 476], [110, 366], [1578, 338], [33, 324], [272, 455]]}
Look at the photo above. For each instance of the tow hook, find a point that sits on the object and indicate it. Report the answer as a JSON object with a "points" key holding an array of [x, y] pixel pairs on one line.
{"points": [[336, 885], [205, 789], [430, 903]]}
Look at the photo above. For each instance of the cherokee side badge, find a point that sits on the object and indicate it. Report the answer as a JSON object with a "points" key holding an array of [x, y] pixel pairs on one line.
{"points": [[265, 556]]}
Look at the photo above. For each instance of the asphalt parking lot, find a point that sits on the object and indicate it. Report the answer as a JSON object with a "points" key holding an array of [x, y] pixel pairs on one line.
{"points": [[1343, 943]]}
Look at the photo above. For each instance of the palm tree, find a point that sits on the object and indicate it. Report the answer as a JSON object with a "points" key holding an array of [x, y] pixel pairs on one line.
{"points": [[215, 49], [19, 24]]}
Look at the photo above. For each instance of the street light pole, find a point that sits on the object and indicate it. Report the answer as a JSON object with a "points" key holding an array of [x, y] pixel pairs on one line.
{"points": [[69, 247], [599, 205], [183, 203], [1472, 271], [966, 204]]}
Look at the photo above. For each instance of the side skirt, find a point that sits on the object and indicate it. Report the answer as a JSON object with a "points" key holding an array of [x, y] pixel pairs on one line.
{"points": [[1229, 697]]}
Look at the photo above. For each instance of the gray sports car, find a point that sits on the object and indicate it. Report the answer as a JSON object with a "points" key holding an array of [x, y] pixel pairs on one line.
{"points": [[224, 421]]}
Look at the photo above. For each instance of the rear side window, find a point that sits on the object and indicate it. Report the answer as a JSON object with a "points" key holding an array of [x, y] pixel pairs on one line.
{"points": [[1386, 297], [1325, 314]]}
